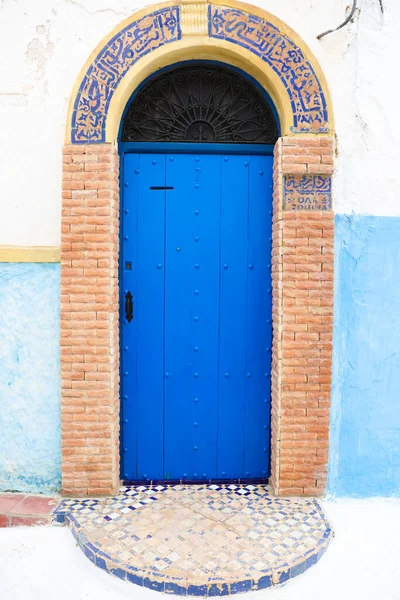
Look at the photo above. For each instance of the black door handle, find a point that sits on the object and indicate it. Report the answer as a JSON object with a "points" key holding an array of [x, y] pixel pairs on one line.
{"points": [[129, 307]]}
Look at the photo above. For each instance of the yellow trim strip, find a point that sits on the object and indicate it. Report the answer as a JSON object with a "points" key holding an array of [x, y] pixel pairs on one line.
{"points": [[29, 254]]}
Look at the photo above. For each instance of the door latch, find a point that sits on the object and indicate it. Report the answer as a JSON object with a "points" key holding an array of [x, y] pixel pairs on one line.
{"points": [[129, 307]]}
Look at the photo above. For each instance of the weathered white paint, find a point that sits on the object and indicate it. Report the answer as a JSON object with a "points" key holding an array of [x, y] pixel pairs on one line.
{"points": [[362, 563], [43, 46]]}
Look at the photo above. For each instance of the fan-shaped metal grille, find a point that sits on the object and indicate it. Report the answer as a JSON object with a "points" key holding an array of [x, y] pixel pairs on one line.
{"points": [[200, 104]]}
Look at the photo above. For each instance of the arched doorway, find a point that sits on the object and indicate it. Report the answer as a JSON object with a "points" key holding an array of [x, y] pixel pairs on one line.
{"points": [[250, 39], [196, 221]]}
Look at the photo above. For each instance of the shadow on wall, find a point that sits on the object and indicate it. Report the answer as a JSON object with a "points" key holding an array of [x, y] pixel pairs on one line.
{"points": [[365, 418], [30, 455]]}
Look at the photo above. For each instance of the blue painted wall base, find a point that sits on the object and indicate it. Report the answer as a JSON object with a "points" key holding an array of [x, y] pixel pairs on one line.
{"points": [[365, 421], [365, 427], [30, 456]]}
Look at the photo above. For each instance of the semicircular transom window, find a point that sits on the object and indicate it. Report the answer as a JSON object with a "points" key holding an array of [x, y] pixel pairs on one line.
{"points": [[200, 104]]}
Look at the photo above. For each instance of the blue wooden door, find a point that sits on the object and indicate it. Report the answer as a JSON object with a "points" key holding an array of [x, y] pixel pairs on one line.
{"points": [[196, 350]]}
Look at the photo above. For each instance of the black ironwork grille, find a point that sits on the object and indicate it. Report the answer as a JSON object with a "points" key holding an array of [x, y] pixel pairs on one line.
{"points": [[200, 104]]}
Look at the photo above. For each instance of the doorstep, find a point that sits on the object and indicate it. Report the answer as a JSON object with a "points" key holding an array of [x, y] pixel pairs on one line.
{"points": [[199, 540], [26, 509]]}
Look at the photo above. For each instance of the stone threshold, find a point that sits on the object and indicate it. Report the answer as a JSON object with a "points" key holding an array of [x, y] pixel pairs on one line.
{"points": [[26, 509], [201, 540]]}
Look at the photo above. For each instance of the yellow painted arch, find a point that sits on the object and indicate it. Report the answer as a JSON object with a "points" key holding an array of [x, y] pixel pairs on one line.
{"points": [[202, 46]]}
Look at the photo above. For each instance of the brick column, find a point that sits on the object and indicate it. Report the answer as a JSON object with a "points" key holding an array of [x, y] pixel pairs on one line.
{"points": [[302, 267], [89, 320]]}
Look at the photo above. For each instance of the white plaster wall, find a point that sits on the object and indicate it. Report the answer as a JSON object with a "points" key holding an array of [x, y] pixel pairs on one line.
{"points": [[44, 43]]}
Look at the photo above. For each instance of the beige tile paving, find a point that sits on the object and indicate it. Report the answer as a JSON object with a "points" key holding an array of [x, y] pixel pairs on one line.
{"points": [[197, 532]]}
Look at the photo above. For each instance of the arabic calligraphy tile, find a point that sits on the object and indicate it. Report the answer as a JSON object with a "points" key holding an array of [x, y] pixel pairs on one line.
{"points": [[163, 26], [283, 56], [323, 184], [112, 63], [307, 192]]}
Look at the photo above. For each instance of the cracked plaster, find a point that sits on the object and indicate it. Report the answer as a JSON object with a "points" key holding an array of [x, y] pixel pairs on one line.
{"points": [[55, 37]]}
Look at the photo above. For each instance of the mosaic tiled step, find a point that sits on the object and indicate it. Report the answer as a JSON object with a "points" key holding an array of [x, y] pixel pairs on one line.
{"points": [[199, 540]]}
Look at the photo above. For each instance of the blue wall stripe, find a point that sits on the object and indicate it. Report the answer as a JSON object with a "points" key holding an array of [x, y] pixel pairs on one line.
{"points": [[30, 447], [365, 414]]}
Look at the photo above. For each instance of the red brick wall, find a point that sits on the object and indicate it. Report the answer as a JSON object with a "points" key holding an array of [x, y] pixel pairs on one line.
{"points": [[89, 320], [302, 266]]}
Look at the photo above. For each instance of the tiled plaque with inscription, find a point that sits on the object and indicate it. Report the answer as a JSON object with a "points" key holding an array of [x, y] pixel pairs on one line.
{"points": [[307, 192]]}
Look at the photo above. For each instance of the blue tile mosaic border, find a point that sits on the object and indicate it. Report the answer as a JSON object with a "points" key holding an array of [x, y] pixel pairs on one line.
{"points": [[181, 587], [286, 59], [111, 64], [279, 51], [72, 511]]}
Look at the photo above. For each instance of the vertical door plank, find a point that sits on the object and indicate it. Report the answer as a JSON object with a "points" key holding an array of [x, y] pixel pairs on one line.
{"points": [[233, 315], [129, 399], [191, 327], [148, 270], [259, 326]]}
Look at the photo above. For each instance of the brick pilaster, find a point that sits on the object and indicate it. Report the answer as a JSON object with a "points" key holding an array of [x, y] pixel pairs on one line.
{"points": [[89, 320], [302, 265]]}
